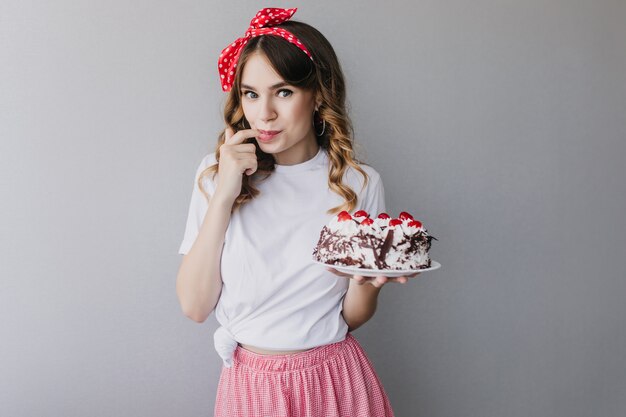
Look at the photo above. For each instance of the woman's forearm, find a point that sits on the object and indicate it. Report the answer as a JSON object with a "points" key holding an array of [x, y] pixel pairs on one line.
{"points": [[359, 304], [199, 281]]}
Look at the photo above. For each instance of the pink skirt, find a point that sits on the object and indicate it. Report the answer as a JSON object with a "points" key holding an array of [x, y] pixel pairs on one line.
{"points": [[334, 380]]}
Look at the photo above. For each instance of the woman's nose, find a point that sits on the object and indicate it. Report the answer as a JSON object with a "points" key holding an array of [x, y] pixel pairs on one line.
{"points": [[266, 110]]}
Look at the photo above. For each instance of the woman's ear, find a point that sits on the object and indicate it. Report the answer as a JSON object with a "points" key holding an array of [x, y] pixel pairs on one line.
{"points": [[318, 102]]}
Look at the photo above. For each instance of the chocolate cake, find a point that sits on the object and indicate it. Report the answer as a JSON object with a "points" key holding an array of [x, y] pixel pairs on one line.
{"points": [[381, 243]]}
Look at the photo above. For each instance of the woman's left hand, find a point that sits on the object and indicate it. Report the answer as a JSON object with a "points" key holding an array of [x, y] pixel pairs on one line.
{"points": [[378, 281]]}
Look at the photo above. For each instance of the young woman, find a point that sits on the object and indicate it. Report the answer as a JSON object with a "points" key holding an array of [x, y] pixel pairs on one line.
{"points": [[283, 166]]}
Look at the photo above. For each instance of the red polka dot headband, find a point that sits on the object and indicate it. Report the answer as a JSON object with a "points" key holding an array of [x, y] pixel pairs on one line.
{"points": [[261, 24]]}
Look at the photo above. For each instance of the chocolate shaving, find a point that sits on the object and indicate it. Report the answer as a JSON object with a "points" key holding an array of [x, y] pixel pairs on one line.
{"points": [[385, 248], [417, 243]]}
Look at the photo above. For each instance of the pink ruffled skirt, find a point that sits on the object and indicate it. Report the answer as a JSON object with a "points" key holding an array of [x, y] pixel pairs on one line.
{"points": [[332, 380]]}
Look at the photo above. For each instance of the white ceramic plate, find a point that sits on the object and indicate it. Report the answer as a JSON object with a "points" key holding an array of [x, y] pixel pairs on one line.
{"points": [[391, 273]]}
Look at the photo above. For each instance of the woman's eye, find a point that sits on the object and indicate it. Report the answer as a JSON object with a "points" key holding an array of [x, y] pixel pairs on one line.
{"points": [[287, 91], [245, 93]]}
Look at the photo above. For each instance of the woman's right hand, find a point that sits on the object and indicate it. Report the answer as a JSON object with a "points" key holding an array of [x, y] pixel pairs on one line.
{"points": [[236, 159]]}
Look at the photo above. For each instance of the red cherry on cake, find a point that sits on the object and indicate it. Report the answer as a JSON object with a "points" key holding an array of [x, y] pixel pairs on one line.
{"points": [[343, 216], [361, 213], [415, 223], [405, 216], [367, 222], [395, 222], [383, 216]]}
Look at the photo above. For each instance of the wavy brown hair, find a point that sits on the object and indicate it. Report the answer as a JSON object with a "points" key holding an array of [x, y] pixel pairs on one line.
{"points": [[324, 77]]}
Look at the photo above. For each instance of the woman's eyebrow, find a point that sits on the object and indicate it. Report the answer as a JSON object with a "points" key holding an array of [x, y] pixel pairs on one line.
{"points": [[274, 87]]}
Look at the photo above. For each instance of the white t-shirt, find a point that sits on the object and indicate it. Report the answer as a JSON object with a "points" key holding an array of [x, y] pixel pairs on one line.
{"points": [[273, 296]]}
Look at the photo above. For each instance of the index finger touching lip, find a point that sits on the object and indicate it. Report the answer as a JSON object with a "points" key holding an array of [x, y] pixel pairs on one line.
{"points": [[240, 136]]}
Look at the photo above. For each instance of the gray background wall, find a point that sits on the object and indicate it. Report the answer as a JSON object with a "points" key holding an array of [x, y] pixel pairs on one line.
{"points": [[500, 124]]}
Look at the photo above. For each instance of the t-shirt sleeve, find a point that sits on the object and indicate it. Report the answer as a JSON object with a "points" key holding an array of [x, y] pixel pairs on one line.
{"points": [[198, 205], [374, 197]]}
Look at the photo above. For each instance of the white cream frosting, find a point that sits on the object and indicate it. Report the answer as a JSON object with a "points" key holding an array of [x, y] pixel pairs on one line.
{"points": [[359, 218], [411, 230], [397, 256], [343, 227], [373, 229], [382, 222]]}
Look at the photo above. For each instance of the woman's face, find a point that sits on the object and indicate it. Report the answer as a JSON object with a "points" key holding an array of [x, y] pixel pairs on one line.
{"points": [[270, 104]]}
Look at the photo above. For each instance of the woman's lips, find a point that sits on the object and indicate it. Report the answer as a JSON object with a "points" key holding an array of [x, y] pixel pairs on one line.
{"points": [[268, 135]]}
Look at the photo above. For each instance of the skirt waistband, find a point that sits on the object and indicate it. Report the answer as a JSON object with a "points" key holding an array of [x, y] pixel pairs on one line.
{"points": [[292, 361]]}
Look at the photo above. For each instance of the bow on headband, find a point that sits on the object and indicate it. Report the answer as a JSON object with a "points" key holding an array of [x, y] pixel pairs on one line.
{"points": [[261, 24]]}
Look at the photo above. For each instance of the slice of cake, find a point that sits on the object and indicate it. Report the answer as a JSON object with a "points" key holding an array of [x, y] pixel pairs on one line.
{"points": [[381, 243]]}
